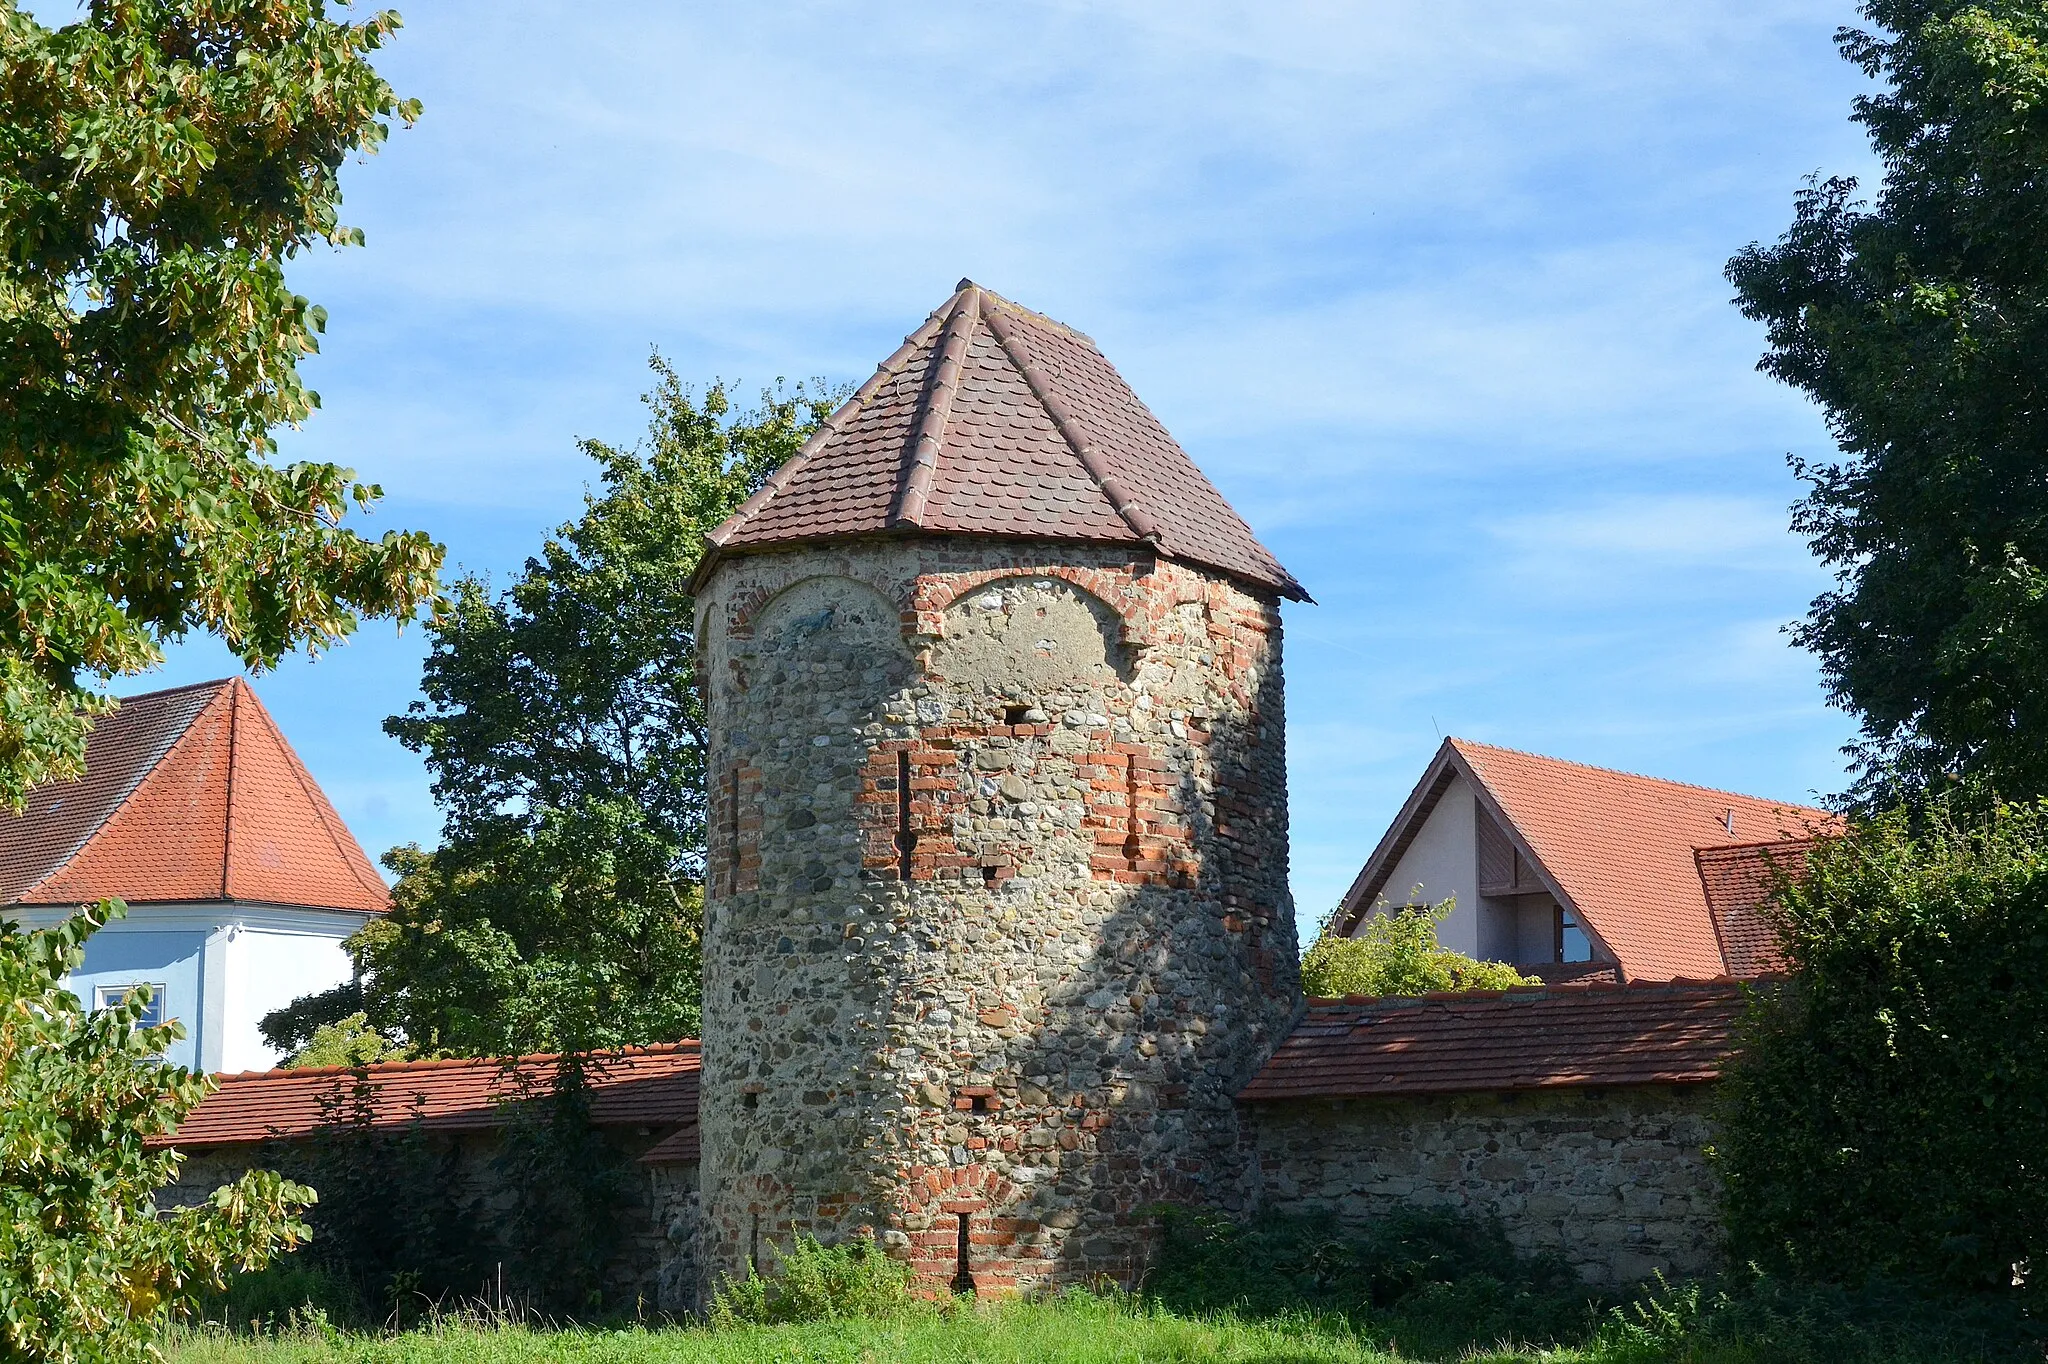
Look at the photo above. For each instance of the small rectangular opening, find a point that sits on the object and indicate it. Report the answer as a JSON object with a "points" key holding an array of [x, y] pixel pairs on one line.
{"points": [[963, 1269], [750, 1099], [978, 1103], [906, 839], [1016, 715]]}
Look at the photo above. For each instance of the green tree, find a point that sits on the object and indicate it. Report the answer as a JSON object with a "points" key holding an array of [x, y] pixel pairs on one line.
{"points": [[160, 161], [1919, 326], [1888, 1112], [562, 724], [89, 1271], [1397, 953]]}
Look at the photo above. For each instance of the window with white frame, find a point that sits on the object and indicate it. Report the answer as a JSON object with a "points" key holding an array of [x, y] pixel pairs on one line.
{"points": [[152, 1012]]}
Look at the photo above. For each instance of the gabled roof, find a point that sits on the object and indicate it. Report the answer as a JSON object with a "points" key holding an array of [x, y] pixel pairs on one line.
{"points": [[1615, 847], [189, 794], [1738, 880], [991, 419], [638, 1086], [1488, 1041]]}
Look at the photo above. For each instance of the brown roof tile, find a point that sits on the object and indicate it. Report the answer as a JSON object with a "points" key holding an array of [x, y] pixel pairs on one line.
{"points": [[1567, 1036], [641, 1086], [994, 420], [190, 794], [1737, 881]]}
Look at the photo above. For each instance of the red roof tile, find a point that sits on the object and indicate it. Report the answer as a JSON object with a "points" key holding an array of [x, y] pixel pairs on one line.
{"points": [[641, 1086], [1550, 1037], [190, 794], [1615, 846], [994, 420], [1737, 882]]}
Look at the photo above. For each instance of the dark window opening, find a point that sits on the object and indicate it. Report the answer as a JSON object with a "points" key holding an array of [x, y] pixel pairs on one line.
{"points": [[978, 1103], [963, 1272], [754, 1245], [988, 876], [750, 1099], [906, 840], [1016, 715], [1573, 944]]}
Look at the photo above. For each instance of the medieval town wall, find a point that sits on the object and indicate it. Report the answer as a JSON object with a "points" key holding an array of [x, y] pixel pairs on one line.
{"points": [[1616, 1181], [997, 915]]}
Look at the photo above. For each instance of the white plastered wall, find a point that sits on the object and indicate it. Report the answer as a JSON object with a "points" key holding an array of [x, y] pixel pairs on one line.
{"points": [[274, 956], [1443, 860]]}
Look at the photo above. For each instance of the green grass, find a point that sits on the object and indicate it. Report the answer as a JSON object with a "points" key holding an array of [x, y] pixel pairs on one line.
{"points": [[1074, 1331]]}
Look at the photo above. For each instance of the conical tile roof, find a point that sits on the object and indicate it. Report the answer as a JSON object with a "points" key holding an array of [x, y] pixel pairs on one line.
{"points": [[190, 794], [995, 420]]}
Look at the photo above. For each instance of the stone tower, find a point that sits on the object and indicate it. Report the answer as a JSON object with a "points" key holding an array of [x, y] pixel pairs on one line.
{"points": [[997, 920]]}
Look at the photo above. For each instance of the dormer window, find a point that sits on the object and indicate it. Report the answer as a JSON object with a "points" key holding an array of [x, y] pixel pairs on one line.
{"points": [[1572, 942]]}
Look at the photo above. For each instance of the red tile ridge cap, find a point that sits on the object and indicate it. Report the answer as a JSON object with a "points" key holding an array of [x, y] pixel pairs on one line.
{"points": [[1764, 845], [942, 385], [827, 429], [688, 1045], [1676, 985], [1465, 744], [173, 691], [339, 837], [1142, 523]]}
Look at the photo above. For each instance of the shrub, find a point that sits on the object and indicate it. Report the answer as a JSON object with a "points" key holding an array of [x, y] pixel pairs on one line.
{"points": [[1397, 954], [1432, 1279], [815, 1282], [1888, 1114], [89, 1270]]}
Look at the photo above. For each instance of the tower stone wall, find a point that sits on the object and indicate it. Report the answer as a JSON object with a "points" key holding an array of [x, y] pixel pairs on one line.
{"points": [[997, 918]]}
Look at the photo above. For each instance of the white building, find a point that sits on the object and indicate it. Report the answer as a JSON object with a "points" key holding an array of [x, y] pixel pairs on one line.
{"points": [[1575, 872], [241, 880]]}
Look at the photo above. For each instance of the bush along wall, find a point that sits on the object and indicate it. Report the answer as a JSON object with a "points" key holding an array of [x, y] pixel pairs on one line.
{"points": [[528, 1217], [1889, 1112]]}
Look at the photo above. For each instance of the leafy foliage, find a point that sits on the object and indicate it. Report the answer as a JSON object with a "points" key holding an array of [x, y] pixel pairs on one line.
{"points": [[349, 1041], [159, 163], [562, 1232], [89, 1272], [393, 1224], [1889, 1110], [1434, 1279], [1397, 954], [816, 1282], [1918, 325], [563, 727]]}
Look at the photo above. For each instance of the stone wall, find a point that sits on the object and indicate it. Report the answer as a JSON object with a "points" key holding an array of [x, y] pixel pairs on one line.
{"points": [[654, 1272], [998, 919], [1615, 1181]]}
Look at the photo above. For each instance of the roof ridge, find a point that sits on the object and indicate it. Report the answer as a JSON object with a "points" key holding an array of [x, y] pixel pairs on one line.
{"points": [[685, 1046], [1002, 301], [942, 385], [1463, 744], [1676, 985], [309, 788], [828, 428], [121, 802], [1717, 850], [172, 691], [1134, 515]]}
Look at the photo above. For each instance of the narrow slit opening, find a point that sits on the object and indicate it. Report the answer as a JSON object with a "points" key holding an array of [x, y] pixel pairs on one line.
{"points": [[906, 839], [732, 831], [754, 1246], [963, 1270]]}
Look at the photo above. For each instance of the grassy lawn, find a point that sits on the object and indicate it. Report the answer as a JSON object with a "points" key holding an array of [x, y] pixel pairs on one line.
{"points": [[1083, 1332]]}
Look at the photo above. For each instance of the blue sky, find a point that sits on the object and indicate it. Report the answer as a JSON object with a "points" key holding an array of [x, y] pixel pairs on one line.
{"points": [[1432, 292]]}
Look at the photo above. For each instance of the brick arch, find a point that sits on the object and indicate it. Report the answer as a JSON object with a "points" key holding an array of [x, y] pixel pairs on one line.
{"points": [[1114, 589], [1003, 1247], [743, 613]]}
